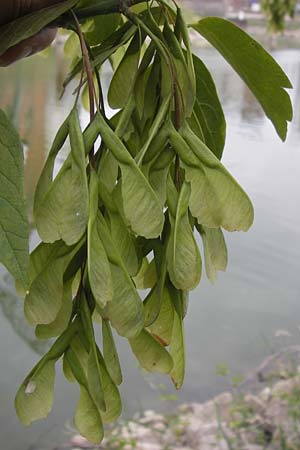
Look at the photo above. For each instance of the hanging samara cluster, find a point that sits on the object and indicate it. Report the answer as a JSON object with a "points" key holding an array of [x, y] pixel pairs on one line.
{"points": [[121, 216]]}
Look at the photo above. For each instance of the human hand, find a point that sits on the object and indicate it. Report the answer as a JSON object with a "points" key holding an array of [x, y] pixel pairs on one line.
{"points": [[12, 9]]}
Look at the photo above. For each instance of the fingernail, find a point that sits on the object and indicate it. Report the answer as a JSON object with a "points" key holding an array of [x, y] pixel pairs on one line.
{"points": [[26, 51]]}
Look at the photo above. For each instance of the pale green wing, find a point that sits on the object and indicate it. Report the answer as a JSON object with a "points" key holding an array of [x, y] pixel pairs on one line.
{"points": [[87, 418], [97, 261], [151, 355], [34, 399], [215, 251], [183, 256]]}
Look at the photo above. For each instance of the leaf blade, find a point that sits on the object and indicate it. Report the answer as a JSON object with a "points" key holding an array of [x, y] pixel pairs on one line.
{"points": [[256, 67], [14, 228], [208, 109]]}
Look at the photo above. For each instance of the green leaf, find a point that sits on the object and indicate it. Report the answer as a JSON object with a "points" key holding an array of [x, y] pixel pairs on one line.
{"points": [[215, 251], [256, 67], [151, 355], [14, 229], [124, 77], [30, 24], [177, 346], [110, 353], [217, 200], [87, 418], [183, 256], [140, 204], [35, 397], [97, 261], [61, 321], [208, 112]]}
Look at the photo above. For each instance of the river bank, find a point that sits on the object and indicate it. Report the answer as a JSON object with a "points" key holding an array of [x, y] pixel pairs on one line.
{"points": [[262, 413], [268, 421]]}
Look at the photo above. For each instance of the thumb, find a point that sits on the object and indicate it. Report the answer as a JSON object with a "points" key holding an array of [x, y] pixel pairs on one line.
{"points": [[28, 47]]}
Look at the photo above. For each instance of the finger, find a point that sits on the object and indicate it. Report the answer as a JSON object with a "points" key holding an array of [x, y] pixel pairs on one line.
{"points": [[28, 47], [13, 9]]}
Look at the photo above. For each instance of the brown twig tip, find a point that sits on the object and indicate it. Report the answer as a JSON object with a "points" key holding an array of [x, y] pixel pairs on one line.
{"points": [[87, 65], [124, 5]]}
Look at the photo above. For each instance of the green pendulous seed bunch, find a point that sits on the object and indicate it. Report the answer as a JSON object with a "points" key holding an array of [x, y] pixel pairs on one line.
{"points": [[123, 216]]}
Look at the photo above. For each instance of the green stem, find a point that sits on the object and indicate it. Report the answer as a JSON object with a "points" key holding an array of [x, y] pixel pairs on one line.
{"points": [[89, 73]]}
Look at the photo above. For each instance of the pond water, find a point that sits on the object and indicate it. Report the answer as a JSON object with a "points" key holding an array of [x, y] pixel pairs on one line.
{"points": [[251, 311]]}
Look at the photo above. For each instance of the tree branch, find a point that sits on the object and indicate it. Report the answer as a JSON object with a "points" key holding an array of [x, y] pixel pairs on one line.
{"points": [[105, 7]]}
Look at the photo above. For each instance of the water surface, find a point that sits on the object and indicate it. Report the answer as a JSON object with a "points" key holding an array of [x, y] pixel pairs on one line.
{"points": [[236, 320]]}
